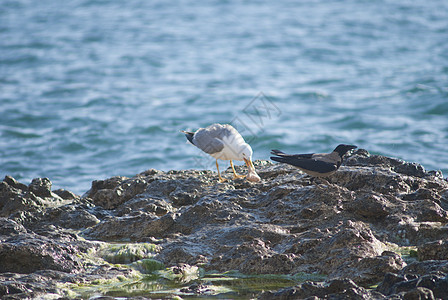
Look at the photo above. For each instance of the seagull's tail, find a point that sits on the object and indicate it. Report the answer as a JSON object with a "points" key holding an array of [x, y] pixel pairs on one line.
{"points": [[189, 135]]}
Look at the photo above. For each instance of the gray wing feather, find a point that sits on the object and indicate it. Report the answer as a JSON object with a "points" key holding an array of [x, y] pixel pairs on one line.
{"points": [[209, 146], [209, 139]]}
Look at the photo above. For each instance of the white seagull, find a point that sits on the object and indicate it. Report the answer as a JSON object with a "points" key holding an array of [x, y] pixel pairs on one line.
{"points": [[226, 143]]}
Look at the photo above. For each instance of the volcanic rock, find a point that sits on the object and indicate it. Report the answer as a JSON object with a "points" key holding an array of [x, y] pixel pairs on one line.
{"points": [[352, 228]]}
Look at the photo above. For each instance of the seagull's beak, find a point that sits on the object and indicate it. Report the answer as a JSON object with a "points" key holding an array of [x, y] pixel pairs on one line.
{"points": [[249, 165], [251, 174]]}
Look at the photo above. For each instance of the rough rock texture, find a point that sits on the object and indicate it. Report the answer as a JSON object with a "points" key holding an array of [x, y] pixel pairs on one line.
{"points": [[429, 278], [27, 253], [349, 227], [437, 250], [333, 289]]}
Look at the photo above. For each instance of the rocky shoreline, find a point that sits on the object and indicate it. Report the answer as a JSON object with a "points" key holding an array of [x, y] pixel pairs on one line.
{"points": [[377, 229]]}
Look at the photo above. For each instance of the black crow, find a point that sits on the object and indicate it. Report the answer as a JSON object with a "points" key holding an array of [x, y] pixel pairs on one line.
{"points": [[315, 164]]}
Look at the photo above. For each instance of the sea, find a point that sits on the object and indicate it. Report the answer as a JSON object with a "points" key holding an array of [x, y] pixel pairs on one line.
{"points": [[91, 89]]}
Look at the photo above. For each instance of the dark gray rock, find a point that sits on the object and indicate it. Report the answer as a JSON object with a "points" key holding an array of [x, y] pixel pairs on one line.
{"points": [[334, 289], [362, 158], [13, 200], [73, 217], [387, 286], [135, 227], [27, 253], [15, 184], [106, 193], [9, 227], [49, 284], [437, 250], [426, 267], [17, 198], [40, 187], [370, 206], [349, 227], [312, 227], [416, 279], [66, 195], [419, 293]]}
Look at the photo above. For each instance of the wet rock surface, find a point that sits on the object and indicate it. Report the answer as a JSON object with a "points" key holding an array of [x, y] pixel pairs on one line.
{"points": [[354, 228]]}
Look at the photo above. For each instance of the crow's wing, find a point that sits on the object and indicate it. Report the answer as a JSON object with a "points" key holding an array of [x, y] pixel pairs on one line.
{"points": [[307, 164]]}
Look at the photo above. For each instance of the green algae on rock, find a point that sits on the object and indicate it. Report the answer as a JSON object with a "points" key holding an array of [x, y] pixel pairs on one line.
{"points": [[126, 253]]}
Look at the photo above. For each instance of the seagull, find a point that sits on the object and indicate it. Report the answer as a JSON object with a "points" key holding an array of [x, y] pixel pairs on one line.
{"points": [[315, 164], [226, 143]]}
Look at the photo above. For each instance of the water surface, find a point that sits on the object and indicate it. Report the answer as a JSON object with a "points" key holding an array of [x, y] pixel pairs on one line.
{"points": [[91, 89]]}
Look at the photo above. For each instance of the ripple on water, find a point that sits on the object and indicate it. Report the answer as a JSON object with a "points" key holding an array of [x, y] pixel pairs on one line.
{"points": [[92, 89], [15, 59], [440, 109], [19, 133], [354, 122]]}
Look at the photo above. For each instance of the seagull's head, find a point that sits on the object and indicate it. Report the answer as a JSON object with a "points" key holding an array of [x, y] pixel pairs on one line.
{"points": [[246, 155]]}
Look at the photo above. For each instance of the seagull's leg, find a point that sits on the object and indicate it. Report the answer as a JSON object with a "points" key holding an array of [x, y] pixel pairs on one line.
{"points": [[235, 174], [219, 174]]}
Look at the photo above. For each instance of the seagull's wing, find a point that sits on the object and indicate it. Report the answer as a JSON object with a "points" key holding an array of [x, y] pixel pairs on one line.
{"points": [[307, 164], [208, 141]]}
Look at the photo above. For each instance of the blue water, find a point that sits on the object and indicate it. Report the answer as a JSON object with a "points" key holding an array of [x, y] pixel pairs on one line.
{"points": [[91, 89]]}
